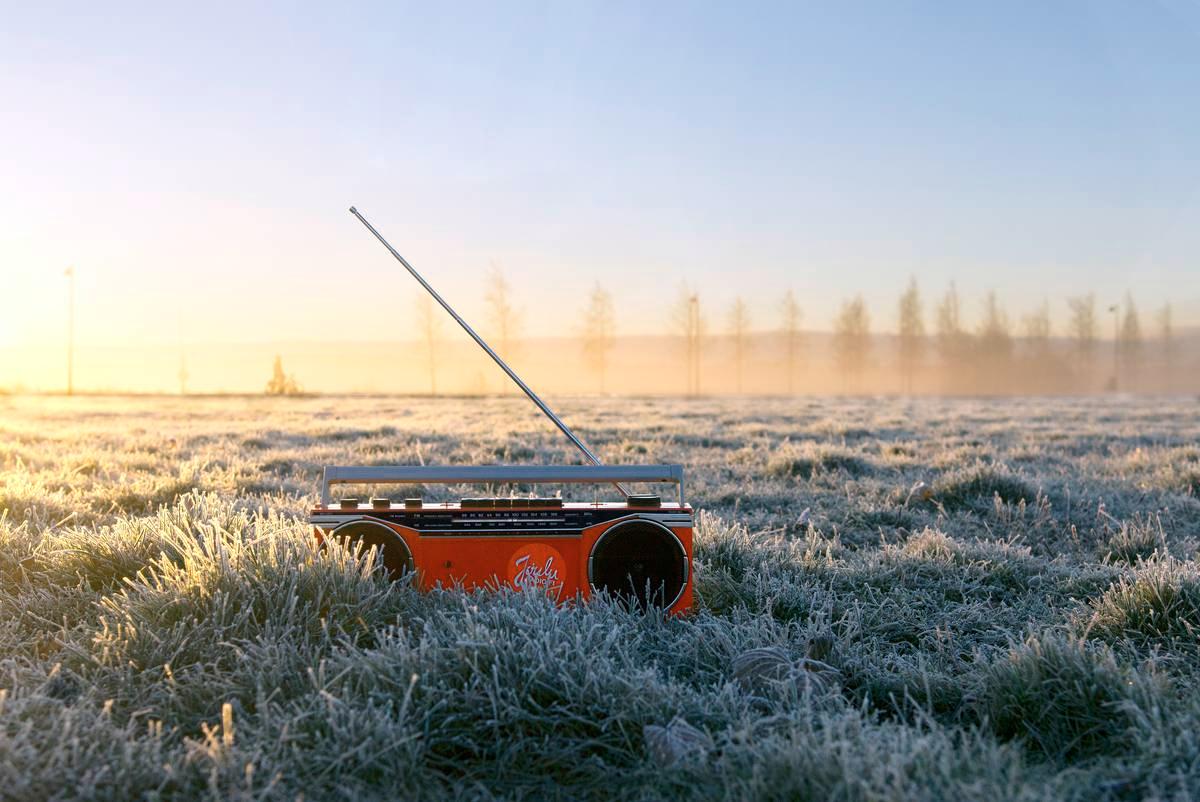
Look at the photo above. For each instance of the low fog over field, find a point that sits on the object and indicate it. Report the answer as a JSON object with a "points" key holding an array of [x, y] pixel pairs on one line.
{"points": [[896, 600], [696, 345]]}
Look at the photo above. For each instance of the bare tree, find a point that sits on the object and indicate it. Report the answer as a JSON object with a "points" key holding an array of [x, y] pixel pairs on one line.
{"points": [[790, 312], [994, 345], [1082, 326], [1129, 342], [950, 330], [995, 331], [1166, 337], [429, 324], [689, 324], [505, 318], [953, 340], [739, 328], [1035, 327], [910, 332], [851, 338], [598, 331], [1039, 372]]}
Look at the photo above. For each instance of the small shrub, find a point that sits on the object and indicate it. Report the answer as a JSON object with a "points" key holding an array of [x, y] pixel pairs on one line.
{"points": [[282, 383], [1066, 699]]}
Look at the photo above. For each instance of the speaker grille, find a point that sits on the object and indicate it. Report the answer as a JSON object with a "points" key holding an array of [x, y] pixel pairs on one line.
{"points": [[393, 552], [641, 562]]}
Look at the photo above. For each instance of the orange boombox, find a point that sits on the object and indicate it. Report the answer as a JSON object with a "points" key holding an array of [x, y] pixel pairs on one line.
{"points": [[638, 549]]}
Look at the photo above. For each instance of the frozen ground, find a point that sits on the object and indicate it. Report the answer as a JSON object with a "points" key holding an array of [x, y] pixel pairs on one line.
{"points": [[984, 600]]}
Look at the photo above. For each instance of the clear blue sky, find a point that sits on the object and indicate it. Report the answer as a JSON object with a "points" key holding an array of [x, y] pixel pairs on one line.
{"points": [[196, 163]]}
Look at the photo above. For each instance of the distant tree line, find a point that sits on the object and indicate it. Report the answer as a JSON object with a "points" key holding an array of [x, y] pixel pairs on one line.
{"points": [[999, 356], [941, 353], [931, 349]]}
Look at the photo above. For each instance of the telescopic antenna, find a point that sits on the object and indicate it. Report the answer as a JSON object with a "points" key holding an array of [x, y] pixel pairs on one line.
{"points": [[587, 452]]}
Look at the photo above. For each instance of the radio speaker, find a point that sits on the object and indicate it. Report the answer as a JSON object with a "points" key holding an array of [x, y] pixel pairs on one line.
{"points": [[641, 562], [391, 548]]}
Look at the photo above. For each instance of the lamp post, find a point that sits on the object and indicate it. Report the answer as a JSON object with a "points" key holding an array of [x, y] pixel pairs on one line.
{"points": [[70, 274]]}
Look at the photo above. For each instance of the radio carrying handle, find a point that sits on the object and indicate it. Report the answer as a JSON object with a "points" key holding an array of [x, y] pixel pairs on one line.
{"points": [[473, 474], [587, 452]]}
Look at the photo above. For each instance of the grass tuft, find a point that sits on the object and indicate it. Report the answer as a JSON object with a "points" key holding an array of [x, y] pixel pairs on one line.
{"points": [[1133, 541], [809, 461], [977, 486], [1160, 604], [1066, 699]]}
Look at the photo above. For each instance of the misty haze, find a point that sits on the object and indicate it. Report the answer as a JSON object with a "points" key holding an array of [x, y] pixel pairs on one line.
{"points": [[939, 345]]}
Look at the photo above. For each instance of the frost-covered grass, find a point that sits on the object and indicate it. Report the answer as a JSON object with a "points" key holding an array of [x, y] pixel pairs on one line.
{"points": [[896, 600]]}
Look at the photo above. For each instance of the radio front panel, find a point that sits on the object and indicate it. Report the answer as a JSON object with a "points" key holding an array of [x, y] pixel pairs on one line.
{"points": [[569, 550], [569, 520]]}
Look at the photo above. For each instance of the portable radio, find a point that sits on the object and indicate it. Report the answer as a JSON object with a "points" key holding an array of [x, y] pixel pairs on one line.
{"points": [[637, 548]]}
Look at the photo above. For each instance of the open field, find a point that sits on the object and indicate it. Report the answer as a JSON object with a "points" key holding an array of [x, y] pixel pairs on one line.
{"points": [[1003, 597]]}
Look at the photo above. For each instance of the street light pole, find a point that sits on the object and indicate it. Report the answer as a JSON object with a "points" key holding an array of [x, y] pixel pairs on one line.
{"points": [[70, 274]]}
